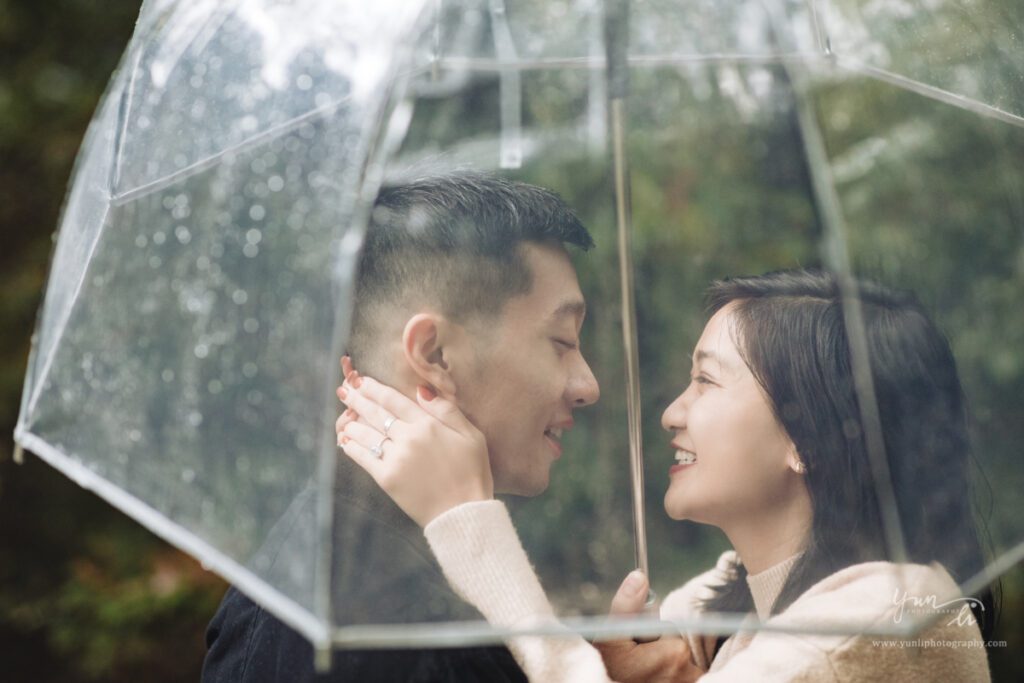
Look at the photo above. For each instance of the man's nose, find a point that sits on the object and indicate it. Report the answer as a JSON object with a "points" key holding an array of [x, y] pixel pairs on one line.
{"points": [[583, 387]]}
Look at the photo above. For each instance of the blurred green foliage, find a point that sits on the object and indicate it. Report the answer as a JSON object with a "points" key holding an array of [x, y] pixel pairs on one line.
{"points": [[933, 200], [86, 594]]}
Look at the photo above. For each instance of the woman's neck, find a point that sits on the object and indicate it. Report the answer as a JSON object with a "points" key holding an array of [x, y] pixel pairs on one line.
{"points": [[768, 538]]}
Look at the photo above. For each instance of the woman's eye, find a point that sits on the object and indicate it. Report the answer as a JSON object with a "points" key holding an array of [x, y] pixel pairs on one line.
{"points": [[565, 343], [701, 379]]}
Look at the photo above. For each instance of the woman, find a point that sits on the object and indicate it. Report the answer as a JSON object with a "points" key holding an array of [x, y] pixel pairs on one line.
{"points": [[772, 397]]}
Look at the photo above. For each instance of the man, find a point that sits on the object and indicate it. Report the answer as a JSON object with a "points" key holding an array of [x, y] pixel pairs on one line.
{"points": [[465, 285]]}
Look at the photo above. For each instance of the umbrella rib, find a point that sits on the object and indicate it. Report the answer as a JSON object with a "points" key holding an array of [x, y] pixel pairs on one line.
{"points": [[598, 63], [203, 164], [929, 91], [287, 609]]}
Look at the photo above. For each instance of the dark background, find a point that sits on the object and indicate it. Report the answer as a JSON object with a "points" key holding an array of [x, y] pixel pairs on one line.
{"points": [[87, 594]]}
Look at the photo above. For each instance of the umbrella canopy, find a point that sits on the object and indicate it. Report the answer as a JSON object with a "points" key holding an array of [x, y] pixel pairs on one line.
{"points": [[202, 286]]}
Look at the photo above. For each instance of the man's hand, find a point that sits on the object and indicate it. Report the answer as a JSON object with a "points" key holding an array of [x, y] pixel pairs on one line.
{"points": [[666, 660]]}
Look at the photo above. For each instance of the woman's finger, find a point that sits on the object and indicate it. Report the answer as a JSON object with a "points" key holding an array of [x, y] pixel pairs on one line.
{"points": [[347, 416], [364, 435], [368, 410], [363, 457], [393, 401], [444, 410]]}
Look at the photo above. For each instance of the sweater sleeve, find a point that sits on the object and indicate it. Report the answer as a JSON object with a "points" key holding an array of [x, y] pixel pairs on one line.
{"points": [[481, 555]]}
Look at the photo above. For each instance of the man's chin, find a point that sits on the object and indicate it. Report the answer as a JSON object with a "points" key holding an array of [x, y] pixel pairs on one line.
{"points": [[528, 487]]}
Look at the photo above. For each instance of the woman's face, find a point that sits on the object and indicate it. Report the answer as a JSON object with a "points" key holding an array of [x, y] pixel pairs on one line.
{"points": [[733, 459]]}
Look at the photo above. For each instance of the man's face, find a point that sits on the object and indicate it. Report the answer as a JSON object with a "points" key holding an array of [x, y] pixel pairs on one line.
{"points": [[528, 374]]}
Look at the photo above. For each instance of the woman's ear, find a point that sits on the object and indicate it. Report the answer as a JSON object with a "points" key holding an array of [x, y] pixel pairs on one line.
{"points": [[425, 341], [794, 461]]}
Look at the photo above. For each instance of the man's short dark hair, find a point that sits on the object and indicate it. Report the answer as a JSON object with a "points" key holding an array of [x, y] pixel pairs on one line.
{"points": [[452, 243]]}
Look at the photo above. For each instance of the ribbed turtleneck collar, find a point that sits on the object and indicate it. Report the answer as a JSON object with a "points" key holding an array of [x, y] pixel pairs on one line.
{"points": [[765, 586]]}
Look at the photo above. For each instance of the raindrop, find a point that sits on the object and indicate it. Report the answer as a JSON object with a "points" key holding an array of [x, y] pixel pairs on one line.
{"points": [[141, 241], [155, 261], [201, 350], [304, 82], [248, 123], [240, 296], [257, 212], [322, 99], [215, 386], [250, 370], [250, 250], [195, 418], [202, 263], [183, 235], [188, 475], [275, 183], [135, 435], [196, 81], [304, 442], [180, 160], [167, 375], [254, 397], [159, 237], [251, 325], [217, 250]]}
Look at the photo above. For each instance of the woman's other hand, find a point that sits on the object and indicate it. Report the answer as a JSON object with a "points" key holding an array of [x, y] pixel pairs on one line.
{"points": [[425, 454], [665, 660]]}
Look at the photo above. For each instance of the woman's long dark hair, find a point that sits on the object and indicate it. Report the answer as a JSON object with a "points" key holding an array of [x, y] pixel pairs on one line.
{"points": [[790, 331]]}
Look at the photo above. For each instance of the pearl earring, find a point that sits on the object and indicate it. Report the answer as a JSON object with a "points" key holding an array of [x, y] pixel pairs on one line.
{"points": [[800, 467]]}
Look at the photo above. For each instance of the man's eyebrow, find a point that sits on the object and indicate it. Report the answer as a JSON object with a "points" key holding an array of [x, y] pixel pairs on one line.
{"points": [[577, 308]]}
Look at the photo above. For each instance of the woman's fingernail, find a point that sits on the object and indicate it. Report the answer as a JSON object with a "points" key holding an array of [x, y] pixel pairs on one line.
{"points": [[355, 380], [426, 392], [634, 582], [342, 439], [342, 394]]}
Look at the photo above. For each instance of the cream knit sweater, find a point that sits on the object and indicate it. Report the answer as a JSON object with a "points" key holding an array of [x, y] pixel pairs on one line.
{"points": [[480, 553]]}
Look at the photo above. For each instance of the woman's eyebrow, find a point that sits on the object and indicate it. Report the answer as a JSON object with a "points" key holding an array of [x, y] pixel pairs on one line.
{"points": [[702, 355]]}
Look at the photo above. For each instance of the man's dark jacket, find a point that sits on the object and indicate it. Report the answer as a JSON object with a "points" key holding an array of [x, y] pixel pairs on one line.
{"points": [[383, 572]]}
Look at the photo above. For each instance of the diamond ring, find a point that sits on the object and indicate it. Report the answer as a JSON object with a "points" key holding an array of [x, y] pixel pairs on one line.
{"points": [[378, 450]]}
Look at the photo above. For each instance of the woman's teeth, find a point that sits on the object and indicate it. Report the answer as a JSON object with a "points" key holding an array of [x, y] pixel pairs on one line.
{"points": [[555, 434], [686, 457]]}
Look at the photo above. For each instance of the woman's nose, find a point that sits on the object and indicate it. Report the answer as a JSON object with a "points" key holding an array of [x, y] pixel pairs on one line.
{"points": [[674, 417]]}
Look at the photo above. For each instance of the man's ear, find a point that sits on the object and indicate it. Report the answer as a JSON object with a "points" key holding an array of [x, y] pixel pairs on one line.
{"points": [[425, 345]]}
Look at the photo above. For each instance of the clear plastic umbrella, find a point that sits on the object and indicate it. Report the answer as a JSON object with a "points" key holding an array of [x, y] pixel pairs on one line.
{"points": [[201, 288]]}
